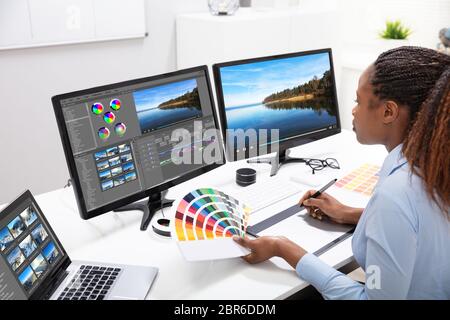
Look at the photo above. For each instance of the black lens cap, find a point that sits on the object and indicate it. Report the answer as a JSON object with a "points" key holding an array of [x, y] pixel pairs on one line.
{"points": [[245, 176], [161, 227]]}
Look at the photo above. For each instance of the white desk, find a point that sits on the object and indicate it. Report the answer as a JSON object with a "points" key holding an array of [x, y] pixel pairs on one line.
{"points": [[115, 237]]}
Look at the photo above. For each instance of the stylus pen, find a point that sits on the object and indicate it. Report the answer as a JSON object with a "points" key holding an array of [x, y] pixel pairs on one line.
{"points": [[251, 233], [319, 192]]}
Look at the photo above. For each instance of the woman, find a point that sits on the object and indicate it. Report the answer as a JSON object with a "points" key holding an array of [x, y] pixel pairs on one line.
{"points": [[402, 237]]}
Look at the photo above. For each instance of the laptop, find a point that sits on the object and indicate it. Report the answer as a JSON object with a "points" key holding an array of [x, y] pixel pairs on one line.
{"points": [[35, 266]]}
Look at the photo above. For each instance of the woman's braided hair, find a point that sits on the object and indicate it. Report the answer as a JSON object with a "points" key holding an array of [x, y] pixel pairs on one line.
{"points": [[419, 79]]}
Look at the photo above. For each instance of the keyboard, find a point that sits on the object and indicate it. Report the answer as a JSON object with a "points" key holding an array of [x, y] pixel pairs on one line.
{"points": [[265, 193], [90, 283]]}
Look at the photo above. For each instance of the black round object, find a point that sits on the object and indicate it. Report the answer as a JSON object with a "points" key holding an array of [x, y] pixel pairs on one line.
{"points": [[161, 227], [245, 176]]}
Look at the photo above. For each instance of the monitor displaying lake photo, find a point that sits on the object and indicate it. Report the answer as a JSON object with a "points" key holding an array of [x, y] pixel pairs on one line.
{"points": [[292, 94], [164, 105]]}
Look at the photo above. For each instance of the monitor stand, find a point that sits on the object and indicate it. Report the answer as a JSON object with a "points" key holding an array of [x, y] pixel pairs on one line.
{"points": [[281, 157], [155, 202]]}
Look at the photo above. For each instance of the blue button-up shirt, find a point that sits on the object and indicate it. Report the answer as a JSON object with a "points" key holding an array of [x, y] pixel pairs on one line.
{"points": [[402, 241]]}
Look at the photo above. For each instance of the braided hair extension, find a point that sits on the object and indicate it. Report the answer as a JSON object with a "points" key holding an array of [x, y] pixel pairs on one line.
{"points": [[428, 144], [419, 78]]}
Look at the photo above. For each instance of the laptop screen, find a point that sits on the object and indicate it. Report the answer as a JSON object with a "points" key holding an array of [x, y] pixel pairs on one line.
{"points": [[30, 252]]}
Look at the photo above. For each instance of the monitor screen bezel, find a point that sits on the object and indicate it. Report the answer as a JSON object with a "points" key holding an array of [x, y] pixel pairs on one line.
{"points": [[285, 144], [61, 266], [84, 213]]}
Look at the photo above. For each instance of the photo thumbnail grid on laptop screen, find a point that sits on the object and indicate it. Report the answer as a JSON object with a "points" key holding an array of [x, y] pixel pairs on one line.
{"points": [[293, 94], [121, 138], [29, 252]]}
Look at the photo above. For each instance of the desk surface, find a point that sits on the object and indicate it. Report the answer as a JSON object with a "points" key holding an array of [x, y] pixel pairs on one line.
{"points": [[115, 237]]}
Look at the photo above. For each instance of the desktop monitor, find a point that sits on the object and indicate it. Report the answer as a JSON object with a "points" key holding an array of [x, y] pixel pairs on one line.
{"points": [[271, 104], [135, 139]]}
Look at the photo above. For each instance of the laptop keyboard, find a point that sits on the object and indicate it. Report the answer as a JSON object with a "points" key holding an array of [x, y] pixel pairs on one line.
{"points": [[90, 283]]}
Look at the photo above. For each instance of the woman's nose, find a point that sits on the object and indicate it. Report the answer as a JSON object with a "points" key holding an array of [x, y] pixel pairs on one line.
{"points": [[353, 111]]}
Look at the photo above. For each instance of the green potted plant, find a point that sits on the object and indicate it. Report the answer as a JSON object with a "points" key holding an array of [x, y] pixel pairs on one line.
{"points": [[395, 34], [395, 30]]}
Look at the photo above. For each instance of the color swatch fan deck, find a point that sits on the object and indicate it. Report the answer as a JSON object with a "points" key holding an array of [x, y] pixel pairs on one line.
{"points": [[205, 221]]}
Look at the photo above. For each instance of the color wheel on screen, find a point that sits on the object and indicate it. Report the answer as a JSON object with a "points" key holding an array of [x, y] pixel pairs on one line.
{"points": [[120, 129], [204, 222], [109, 117], [97, 108], [115, 104], [103, 133]]}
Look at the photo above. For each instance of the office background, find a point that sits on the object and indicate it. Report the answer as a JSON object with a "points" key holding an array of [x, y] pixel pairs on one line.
{"points": [[31, 151]]}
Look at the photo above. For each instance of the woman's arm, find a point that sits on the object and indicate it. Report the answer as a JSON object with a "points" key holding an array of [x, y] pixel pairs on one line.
{"points": [[390, 249], [331, 283]]}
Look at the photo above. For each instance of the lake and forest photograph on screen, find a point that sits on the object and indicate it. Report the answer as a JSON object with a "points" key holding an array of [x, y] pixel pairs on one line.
{"points": [[297, 92], [167, 104]]}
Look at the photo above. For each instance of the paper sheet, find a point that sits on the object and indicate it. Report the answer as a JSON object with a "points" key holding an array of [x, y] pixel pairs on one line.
{"points": [[221, 248]]}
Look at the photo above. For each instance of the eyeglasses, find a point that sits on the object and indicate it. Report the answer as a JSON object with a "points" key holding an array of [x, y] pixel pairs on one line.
{"points": [[318, 164]]}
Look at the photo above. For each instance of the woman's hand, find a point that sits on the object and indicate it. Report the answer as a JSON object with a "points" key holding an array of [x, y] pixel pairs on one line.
{"points": [[330, 207], [264, 248]]}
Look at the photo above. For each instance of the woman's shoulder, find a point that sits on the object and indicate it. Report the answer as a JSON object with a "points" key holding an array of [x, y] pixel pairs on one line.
{"points": [[399, 194], [401, 183]]}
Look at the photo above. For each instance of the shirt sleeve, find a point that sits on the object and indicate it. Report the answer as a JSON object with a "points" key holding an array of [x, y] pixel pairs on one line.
{"points": [[332, 284], [390, 256]]}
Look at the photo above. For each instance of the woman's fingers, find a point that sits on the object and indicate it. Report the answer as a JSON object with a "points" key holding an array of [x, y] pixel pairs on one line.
{"points": [[315, 213], [307, 195], [249, 244], [250, 258], [314, 202], [245, 242]]}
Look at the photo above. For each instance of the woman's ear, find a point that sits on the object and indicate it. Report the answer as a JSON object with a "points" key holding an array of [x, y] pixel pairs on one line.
{"points": [[390, 111]]}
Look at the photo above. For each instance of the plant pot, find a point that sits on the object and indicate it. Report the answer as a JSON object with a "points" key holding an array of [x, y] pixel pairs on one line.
{"points": [[388, 44]]}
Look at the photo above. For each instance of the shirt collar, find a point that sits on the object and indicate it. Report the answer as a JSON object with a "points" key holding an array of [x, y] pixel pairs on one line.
{"points": [[393, 161]]}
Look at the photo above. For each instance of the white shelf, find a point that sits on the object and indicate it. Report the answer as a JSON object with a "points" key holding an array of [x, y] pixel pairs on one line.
{"points": [[252, 32]]}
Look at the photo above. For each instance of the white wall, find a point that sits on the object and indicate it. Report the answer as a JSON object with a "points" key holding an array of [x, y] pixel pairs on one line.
{"points": [[31, 154], [362, 20]]}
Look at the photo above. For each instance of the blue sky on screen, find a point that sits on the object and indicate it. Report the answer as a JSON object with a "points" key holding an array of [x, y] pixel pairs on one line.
{"points": [[48, 249], [25, 274], [251, 83], [150, 98]]}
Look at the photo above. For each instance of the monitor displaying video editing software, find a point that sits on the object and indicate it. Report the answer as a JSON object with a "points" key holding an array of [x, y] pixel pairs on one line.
{"points": [[294, 94], [118, 138]]}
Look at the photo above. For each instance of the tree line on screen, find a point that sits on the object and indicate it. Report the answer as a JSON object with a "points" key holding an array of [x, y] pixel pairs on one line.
{"points": [[319, 105], [313, 88], [190, 99]]}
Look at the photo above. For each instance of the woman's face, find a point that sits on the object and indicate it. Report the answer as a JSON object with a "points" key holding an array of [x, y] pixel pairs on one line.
{"points": [[367, 114]]}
